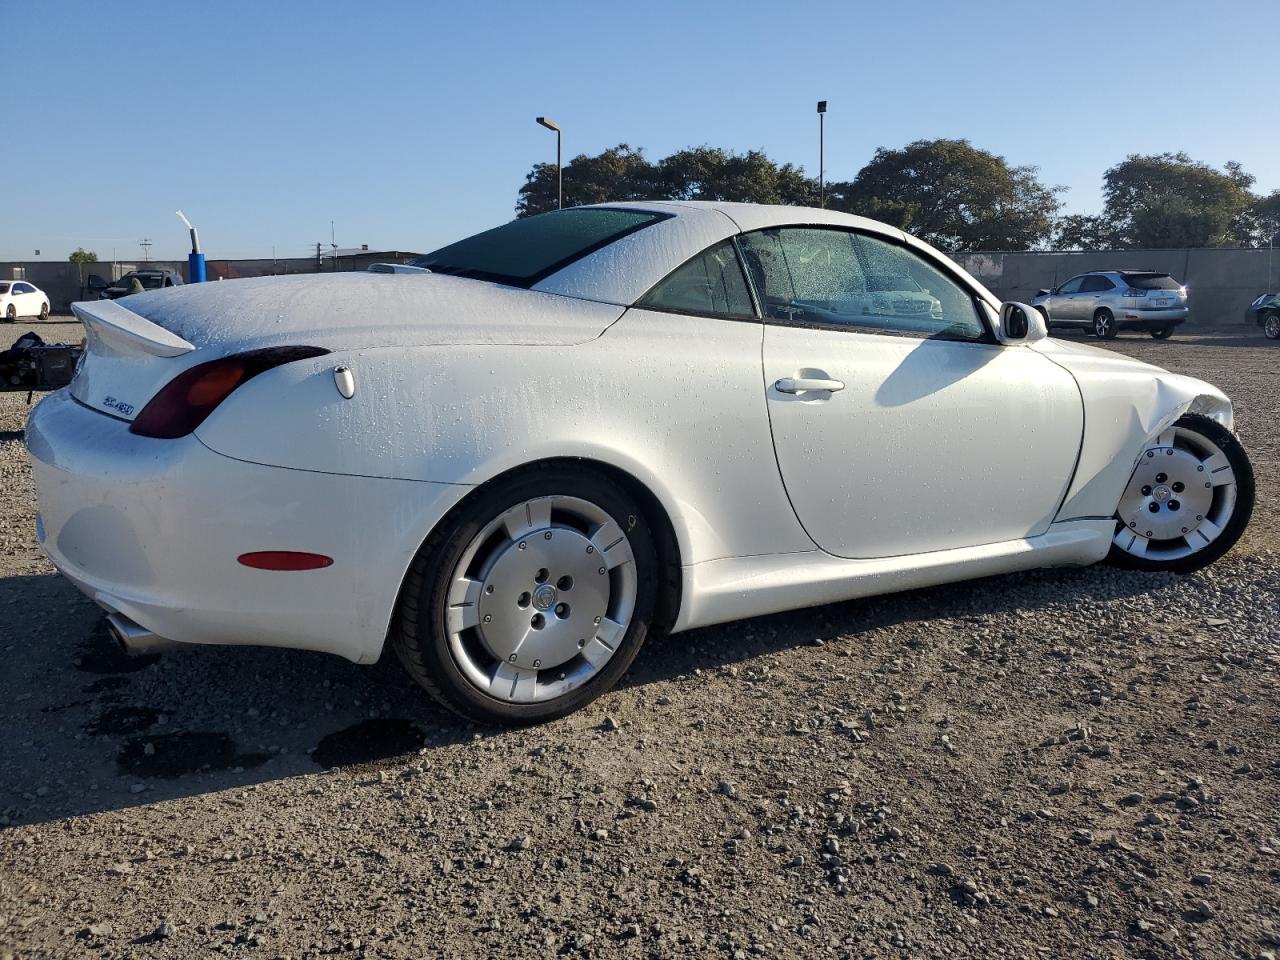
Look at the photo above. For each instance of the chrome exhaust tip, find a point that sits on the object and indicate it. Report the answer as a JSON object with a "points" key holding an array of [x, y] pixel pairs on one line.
{"points": [[133, 638]]}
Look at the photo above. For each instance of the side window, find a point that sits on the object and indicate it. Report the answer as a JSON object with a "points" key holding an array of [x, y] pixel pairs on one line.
{"points": [[23, 288], [711, 282], [1095, 285], [1072, 285], [856, 280]]}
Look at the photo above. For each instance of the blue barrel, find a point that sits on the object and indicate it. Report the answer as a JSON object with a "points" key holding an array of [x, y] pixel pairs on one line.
{"points": [[195, 268]]}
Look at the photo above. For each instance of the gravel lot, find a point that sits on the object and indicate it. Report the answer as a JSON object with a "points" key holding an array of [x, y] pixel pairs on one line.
{"points": [[1062, 763]]}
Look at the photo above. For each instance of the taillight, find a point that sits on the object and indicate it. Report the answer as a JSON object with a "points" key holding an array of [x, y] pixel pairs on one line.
{"points": [[185, 402], [1135, 292]]}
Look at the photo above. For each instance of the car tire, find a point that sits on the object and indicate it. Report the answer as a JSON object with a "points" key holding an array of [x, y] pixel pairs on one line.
{"points": [[11, 314], [44, 311], [1104, 325], [472, 569], [1163, 333], [1229, 499], [1271, 326]]}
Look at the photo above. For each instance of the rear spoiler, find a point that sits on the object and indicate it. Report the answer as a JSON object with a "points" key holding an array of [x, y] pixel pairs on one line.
{"points": [[122, 330]]}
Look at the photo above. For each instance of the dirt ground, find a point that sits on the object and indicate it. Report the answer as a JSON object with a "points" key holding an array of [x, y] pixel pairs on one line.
{"points": [[1068, 763]]}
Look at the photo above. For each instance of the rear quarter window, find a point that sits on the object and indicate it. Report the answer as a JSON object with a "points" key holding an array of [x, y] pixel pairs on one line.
{"points": [[522, 252]]}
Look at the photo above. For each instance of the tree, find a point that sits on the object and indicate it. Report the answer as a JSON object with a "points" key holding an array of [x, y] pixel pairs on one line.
{"points": [[952, 195], [619, 173], [81, 255], [710, 173], [1082, 232], [697, 173], [1169, 200]]}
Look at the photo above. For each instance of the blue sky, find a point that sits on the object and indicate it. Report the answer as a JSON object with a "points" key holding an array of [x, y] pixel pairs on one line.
{"points": [[411, 124]]}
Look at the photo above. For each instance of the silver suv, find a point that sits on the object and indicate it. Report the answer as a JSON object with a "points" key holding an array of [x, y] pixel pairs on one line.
{"points": [[1108, 301]]}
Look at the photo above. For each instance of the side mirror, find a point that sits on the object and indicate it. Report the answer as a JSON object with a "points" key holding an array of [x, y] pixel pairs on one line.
{"points": [[1043, 293], [1020, 323]]}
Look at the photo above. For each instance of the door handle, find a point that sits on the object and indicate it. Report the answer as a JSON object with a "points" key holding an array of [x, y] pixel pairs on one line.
{"points": [[801, 384]]}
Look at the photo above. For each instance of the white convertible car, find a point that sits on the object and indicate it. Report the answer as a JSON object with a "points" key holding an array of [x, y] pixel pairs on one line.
{"points": [[576, 427]]}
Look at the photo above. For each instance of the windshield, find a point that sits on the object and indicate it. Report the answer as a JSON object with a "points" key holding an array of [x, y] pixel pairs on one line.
{"points": [[523, 252], [1151, 281]]}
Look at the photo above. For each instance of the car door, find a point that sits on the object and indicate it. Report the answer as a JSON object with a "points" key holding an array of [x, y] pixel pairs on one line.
{"points": [[1092, 295], [1064, 306], [902, 428], [25, 299]]}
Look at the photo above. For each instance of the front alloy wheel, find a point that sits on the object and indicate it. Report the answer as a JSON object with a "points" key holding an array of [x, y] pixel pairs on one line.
{"points": [[532, 600], [1163, 333], [11, 313], [1271, 326], [1188, 501]]}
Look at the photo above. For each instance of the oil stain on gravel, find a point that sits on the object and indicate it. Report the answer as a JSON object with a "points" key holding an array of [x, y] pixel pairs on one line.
{"points": [[367, 742], [116, 721], [171, 755]]}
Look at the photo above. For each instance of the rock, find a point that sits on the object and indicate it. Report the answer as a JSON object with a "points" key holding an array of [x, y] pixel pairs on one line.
{"points": [[520, 843], [1202, 879], [1083, 837], [610, 723], [600, 834], [164, 931], [727, 789], [1131, 800]]}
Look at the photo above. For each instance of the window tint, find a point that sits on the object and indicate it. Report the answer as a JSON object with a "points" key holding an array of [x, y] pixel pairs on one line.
{"points": [[23, 288], [1096, 284], [825, 276], [1151, 281], [522, 252], [709, 283], [4, 288], [1072, 285]]}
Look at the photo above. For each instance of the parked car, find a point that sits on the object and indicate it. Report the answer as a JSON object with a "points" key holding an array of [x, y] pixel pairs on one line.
{"points": [[1108, 301], [584, 425], [1265, 312], [21, 299], [149, 279]]}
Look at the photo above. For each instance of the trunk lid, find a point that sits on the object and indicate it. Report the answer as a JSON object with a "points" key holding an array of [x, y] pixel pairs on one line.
{"points": [[137, 344]]}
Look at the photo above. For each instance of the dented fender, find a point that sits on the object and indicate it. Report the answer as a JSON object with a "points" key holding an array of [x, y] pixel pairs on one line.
{"points": [[1126, 404]]}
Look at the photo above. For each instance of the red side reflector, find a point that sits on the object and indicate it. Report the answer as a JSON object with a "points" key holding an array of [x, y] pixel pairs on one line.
{"points": [[285, 560]]}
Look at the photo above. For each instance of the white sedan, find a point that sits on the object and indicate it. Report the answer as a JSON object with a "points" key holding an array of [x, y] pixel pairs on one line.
{"points": [[21, 299], [577, 427]]}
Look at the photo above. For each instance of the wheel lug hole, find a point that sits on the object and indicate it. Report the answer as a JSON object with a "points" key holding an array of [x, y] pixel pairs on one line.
{"points": [[542, 575], [538, 621], [547, 535], [562, 610], [1161, 478], [565, 583], [1153, 507], [1178, 486], [1174, 504], [524, 599], [1146, 491]]}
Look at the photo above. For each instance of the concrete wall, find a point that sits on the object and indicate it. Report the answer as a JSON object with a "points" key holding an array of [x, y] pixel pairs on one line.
{"points": [[1220, 283], [67, 282]]}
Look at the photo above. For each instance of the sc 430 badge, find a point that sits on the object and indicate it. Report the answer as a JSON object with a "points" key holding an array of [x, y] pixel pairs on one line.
{"points": [[118, 405]]}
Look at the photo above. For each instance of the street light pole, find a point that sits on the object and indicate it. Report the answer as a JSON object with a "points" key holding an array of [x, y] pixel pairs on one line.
{"points": [[551, 125], [822, 186]]}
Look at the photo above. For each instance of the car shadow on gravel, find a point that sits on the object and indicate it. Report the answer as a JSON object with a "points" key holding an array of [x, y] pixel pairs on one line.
{"points": [[90, 729]]}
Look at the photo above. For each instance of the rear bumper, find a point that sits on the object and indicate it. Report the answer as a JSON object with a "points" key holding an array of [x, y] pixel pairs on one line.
{"points": [[1150, 319], [151, 529]]}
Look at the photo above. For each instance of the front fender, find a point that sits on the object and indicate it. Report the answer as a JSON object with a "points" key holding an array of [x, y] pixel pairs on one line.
{"points": [[1126, 406]]}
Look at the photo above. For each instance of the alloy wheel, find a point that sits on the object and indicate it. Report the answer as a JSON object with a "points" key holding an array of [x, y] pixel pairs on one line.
{"points": [[1179, 500], [540, 599], [1271, 326]]}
